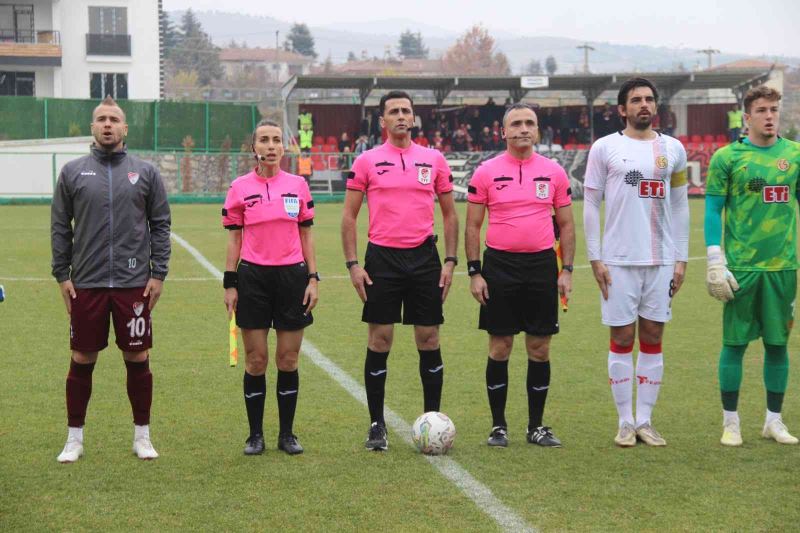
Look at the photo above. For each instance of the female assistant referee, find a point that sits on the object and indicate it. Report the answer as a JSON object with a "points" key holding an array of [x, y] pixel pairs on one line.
{"points": [[270, 279]]}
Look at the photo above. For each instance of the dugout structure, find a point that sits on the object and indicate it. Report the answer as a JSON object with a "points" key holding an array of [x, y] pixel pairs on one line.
{"points": [[517, 87]]}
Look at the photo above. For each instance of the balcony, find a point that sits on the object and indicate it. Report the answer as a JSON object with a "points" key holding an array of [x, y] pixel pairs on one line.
{"points": [[30, 47], [106, 44]]}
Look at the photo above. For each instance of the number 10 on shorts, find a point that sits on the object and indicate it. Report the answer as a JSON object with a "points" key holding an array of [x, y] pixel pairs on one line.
{"points": [[136, 327]]}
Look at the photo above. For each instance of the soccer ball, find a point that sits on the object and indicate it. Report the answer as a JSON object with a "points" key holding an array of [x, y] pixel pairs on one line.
{"points": [[433, 433]]}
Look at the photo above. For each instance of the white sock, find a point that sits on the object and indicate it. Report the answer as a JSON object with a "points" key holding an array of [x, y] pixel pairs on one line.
{"points": [[730, 416], [75, 433], [649, 371], [141, 431], [620, 377], [772, 416]]}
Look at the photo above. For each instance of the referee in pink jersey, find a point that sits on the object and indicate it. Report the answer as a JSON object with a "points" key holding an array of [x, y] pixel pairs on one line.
{"points": [[518, 283], [402, 279], [270, 279]]}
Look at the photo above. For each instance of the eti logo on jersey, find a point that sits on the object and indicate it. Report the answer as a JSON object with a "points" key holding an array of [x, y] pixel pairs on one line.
{"points": [[652, 189], [775, 194]]}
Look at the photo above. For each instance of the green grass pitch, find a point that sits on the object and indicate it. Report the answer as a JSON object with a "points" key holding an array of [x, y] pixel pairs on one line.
{"points": [[203, 482]]}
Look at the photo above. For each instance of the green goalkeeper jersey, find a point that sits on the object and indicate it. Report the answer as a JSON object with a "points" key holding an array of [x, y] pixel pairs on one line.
{"points": [[760, 187]]}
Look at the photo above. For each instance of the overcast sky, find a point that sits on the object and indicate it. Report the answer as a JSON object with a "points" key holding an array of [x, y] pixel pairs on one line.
{"points": [[768, 27]]}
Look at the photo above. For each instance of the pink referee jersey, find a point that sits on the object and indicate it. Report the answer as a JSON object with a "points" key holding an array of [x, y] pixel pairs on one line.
{"points": [[270, 211], [400, 185], [520, 197]]}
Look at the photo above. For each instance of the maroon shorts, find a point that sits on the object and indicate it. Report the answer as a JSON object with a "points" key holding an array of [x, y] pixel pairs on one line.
{"points": [[89, 320]]}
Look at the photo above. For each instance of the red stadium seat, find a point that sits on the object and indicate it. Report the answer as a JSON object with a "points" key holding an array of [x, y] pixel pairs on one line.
{"points": [[683, 139], [330, 140], [317, 162], [695, 139], [708, 138], [317, 148], [318, 139], [569, 146], [329, 148], [582, 147], [722, 138]]}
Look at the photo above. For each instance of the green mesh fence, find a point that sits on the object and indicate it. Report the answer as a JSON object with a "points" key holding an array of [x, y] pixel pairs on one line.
{"points": [[159, 126]]}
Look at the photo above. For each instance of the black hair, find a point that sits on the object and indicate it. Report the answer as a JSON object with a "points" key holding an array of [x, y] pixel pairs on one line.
{"points": [[515, 106], [631, 84], [393, 95]]}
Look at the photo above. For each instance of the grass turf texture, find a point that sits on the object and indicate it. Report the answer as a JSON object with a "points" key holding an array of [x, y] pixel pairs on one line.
{"points": [[202, 480]]}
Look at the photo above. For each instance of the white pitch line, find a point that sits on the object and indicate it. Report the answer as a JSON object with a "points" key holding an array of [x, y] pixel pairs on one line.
{"points": [[476, 491]]}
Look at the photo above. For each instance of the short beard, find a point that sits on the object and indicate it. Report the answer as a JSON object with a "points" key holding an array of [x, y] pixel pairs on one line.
{"points": [[641, 124]]}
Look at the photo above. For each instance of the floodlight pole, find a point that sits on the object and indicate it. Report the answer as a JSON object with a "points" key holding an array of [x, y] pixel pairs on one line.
{"points": [[709, 52], [586, 48]]}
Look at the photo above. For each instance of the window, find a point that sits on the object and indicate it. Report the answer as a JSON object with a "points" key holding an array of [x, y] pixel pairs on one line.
{"points": [[105, 84], [17, 83], [16, 23], [108, 20]]}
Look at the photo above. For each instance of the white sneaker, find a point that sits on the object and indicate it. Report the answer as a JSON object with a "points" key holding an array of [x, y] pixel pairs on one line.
{"points": [[143, 448], [731, 434], [777, 431], [72, 451]]}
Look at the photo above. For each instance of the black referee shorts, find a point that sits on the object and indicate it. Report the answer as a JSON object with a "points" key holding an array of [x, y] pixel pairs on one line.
{"points": [[272, 296], [523, 293], [403, 278]]}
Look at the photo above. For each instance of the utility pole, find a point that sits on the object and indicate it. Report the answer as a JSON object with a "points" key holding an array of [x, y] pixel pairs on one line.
{"points": [[277, 64], [586, 48], [709, 52]]}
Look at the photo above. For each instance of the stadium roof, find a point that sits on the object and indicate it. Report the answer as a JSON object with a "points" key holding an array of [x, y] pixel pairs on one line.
{"points": [[590, 84]]}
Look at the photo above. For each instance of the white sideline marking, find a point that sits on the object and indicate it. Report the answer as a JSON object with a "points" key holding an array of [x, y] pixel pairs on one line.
{"points": [[479, 493], [191, 249]]}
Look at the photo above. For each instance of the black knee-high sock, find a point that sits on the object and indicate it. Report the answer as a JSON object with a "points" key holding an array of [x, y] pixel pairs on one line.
{"points": [[538, 382], [255, 390], [287, 391], [375, 382], [497, 388], [431, 373]]}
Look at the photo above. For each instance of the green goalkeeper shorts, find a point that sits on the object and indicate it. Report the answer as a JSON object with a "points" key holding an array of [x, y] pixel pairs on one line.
{"points": [[762, 307]]}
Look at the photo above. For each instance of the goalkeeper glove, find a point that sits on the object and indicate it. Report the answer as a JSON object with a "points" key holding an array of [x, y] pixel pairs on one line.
{"points": [[719, 281]]}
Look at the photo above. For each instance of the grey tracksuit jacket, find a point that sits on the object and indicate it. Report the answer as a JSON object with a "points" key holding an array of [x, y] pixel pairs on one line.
{"points": [[109, 222]]}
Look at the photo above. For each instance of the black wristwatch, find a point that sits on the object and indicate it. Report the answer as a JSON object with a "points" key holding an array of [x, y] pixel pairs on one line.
{"points": [[451, 259], [349, 264], [568, 268], [313, 275]]}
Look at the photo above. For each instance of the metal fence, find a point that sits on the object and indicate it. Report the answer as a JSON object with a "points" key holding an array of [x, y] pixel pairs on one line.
{"points": [[152, 125]]}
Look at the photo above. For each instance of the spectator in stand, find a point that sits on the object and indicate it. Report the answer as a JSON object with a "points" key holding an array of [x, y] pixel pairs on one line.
{"points": [[305, 166], [375, 133], [420, 139], [605, 122], [668, 121], [460, 141], [584, 131], [564, 126], [475, 121], [546, 123], [485, 142], [497, 138], [734, 123], [362, 144], [344, 142], [438, 142]]}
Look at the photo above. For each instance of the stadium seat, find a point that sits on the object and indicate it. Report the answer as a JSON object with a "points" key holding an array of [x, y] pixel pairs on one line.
{"points": [[722, 139], [329, 148], [684, 139], [316, 161], [318, 139], [330, 140], [317, 148], [582, 147], [695, 139], [708, 138], [569, 146]]}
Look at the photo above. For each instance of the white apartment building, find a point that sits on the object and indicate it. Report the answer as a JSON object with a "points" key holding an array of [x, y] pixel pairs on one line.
{"points": [[81, 48]]}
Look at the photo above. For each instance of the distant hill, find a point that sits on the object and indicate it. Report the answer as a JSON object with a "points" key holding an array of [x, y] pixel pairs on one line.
{"points": [[373, 38]]}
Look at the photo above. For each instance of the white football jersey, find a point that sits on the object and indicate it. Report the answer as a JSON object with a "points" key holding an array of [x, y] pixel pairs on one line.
{"points": [[636, 178]]}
